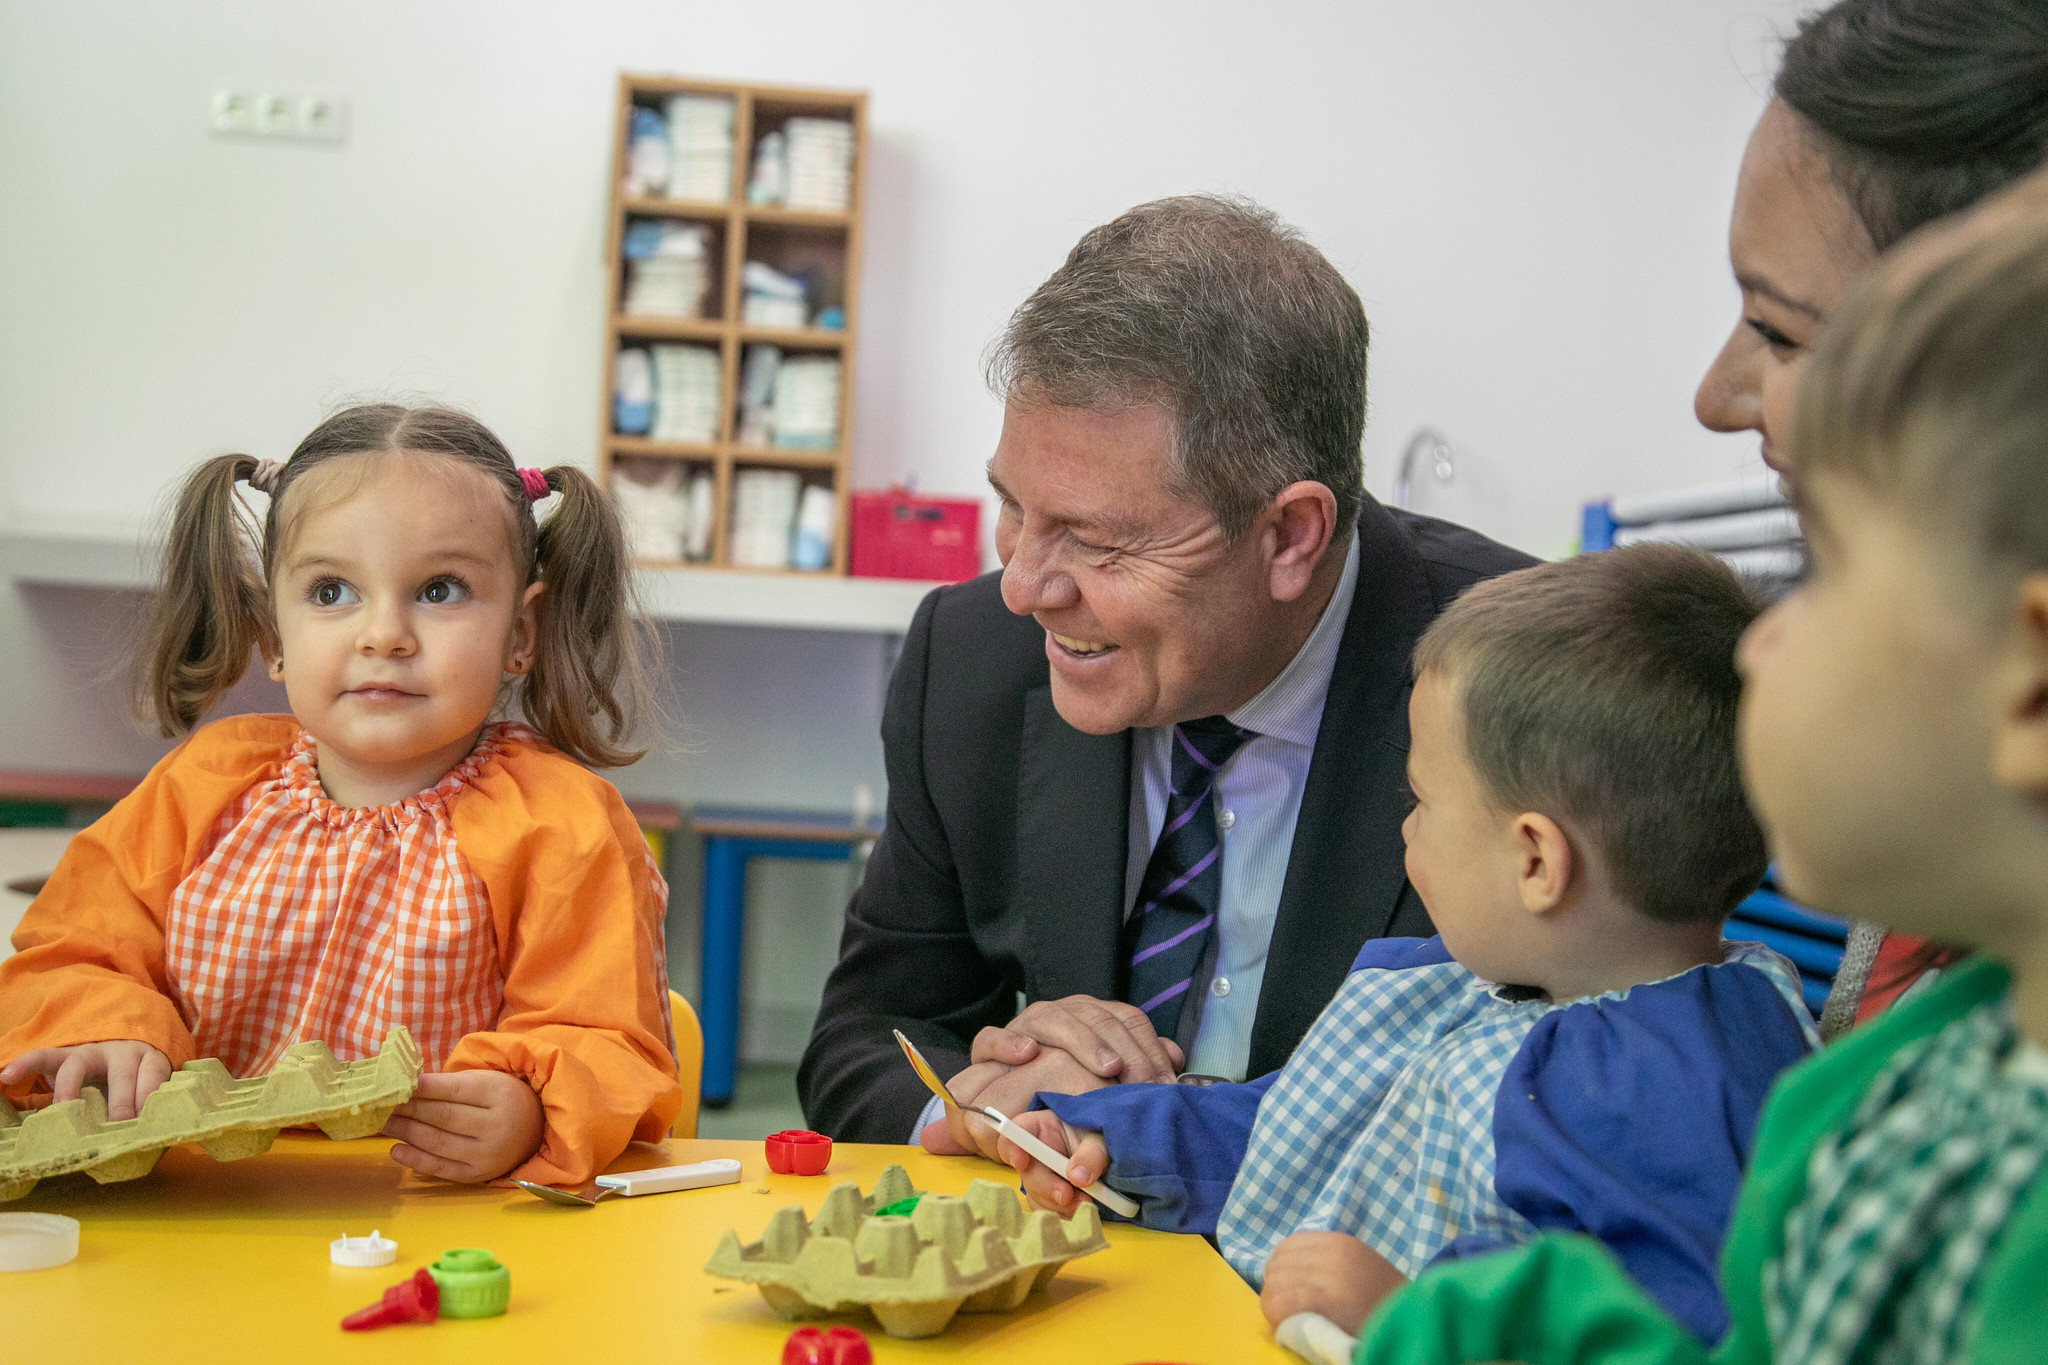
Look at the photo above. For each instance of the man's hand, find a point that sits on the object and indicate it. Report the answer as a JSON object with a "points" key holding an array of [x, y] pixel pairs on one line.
{"points": [[1087, 1159], [1113, 1039], [1062, 1047], [470, 1126], [130, 1071], [1009, 1089], [1330, 1273]]}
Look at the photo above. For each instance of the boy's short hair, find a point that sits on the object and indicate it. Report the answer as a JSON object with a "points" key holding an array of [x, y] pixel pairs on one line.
{"points": [[1930, 387], [1602, 692]]}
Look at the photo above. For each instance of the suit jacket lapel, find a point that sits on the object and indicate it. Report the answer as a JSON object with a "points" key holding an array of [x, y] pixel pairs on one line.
{"points": [[1345, 871], [1073, 814]]}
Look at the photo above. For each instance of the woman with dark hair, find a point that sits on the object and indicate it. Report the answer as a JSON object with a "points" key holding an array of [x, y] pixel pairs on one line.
{"points": [[1887, 115]]}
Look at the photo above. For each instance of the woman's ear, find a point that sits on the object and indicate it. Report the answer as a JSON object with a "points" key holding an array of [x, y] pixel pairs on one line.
{"points": [[2019, 743], [274, 665], [1543, 857], [525, 631]]}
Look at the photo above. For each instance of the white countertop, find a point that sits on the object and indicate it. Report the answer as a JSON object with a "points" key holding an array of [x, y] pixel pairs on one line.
{"points": [[70, 552]]}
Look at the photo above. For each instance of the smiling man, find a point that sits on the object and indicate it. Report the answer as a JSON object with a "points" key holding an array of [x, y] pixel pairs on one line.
{"points": [[1145, 783]]}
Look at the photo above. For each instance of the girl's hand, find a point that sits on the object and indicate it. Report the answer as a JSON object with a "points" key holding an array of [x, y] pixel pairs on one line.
{"points": [[1331, 1273], [1088, 1158], [130, 1072], [470, 1126]]}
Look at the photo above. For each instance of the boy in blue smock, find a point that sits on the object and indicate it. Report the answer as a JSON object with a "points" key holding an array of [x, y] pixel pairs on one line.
{"points": [[1578, 1049]]}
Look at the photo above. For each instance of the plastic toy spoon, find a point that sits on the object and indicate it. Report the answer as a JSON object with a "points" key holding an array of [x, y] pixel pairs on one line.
{"points": [[660, 1180], [1023, 1137]]}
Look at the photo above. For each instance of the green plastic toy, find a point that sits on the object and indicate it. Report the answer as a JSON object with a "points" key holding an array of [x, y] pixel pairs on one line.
{"points": [[902, 1208], [473, 1284]]}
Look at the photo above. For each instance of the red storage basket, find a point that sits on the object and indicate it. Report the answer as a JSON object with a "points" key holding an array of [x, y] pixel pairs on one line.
{"points": [[901, 535]]}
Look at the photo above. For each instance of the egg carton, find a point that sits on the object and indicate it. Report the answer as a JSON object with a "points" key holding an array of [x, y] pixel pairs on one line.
{"points": [[978, 1253], [202, 1103]]}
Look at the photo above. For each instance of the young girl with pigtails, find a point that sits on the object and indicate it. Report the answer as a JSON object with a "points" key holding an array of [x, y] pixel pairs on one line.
{"points": [[391, 852]]}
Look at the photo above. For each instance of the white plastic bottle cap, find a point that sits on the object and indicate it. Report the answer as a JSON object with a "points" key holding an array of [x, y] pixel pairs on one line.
{"points": [[37, 1241], [374, 1250]]}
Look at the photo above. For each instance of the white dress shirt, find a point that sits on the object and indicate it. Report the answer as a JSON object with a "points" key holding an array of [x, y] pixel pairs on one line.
{"points": [[1258, 800]]}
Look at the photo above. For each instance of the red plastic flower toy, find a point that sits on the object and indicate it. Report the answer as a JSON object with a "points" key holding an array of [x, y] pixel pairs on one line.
{"points": [[798, 1151], [839, 1346], [415, 1300]]}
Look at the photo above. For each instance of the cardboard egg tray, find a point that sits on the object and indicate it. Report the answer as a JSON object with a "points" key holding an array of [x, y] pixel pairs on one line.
{"points": [[202, 1103], [981, 1253]]}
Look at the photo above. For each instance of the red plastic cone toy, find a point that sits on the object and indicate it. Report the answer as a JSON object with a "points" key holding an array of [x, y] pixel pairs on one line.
{"points": [[415, 1300]]}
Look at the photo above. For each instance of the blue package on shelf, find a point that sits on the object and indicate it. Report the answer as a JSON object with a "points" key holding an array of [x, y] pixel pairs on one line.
{"points": [[632, 392], [642, 239]]}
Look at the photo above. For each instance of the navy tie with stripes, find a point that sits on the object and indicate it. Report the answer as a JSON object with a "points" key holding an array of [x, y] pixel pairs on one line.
{"points": [[1169, 928]]}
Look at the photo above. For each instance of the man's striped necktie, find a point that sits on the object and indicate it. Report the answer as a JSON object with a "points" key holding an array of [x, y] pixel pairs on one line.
{"points": [[1169, 928]]}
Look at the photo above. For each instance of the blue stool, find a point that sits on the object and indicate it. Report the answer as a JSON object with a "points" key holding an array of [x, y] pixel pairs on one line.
{"points": [[733, 836]]}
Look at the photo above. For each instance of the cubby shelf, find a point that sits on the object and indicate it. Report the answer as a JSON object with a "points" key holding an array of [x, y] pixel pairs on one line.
{"points": [[741, 230], [655, 327]]}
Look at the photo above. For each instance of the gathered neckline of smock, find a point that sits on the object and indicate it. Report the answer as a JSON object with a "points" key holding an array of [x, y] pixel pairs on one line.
{"points": [[300, 780]]}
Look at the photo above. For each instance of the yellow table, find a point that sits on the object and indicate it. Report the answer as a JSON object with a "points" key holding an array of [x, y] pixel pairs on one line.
{"points": [[200, 1261]]}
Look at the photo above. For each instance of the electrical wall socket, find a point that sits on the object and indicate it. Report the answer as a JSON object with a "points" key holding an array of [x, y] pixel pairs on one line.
{"points": [[304, 118]]}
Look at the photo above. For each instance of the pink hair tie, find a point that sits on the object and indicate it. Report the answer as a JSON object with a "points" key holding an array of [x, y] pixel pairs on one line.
{"points": [[536, 484]]}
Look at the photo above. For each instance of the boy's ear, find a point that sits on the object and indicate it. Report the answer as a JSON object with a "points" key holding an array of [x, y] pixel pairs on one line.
{"points": [[1543, 859], [2019, 744]]}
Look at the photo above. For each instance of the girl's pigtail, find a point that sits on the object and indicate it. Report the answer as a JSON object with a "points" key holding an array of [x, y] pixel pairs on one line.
{"points": [[211, 607], [589, 691]]}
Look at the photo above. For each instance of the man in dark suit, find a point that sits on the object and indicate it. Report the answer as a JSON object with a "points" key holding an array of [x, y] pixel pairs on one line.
{"points": [[1146, 783]]}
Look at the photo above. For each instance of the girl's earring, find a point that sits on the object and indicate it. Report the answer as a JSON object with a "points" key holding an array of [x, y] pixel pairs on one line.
{"points": [[277, 668]]}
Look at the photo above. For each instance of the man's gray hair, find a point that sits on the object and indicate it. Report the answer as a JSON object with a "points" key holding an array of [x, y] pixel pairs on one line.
{"points": [[1212, 307]]}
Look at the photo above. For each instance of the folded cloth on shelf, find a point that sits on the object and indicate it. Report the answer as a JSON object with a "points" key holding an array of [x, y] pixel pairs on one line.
{"points": [[763, 517], [653, 506], [700, 137], [773, 299], [667, 268], [686, 380], [807, 403], [820, 169]]}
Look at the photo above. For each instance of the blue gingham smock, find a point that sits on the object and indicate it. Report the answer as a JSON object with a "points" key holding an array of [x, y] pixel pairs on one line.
{"points": [[1433, 1114]]}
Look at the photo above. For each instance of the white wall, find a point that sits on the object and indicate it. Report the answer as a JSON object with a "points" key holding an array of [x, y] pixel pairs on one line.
{"points": [[1529, 197]]}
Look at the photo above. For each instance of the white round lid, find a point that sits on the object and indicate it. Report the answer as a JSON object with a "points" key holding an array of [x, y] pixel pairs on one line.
{"points": [[37, 1241], [374, 1250]]}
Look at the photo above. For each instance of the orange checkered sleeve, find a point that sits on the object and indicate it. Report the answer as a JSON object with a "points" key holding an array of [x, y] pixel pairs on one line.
{"points": [[89, 961], [578, 908]]}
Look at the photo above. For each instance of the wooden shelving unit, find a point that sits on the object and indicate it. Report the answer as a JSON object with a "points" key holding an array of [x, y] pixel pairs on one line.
{"points": [[782, 237]]}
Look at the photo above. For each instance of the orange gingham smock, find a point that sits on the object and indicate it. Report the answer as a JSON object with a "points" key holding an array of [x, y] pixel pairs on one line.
{"points": [[309, 919], [510, 917]]}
